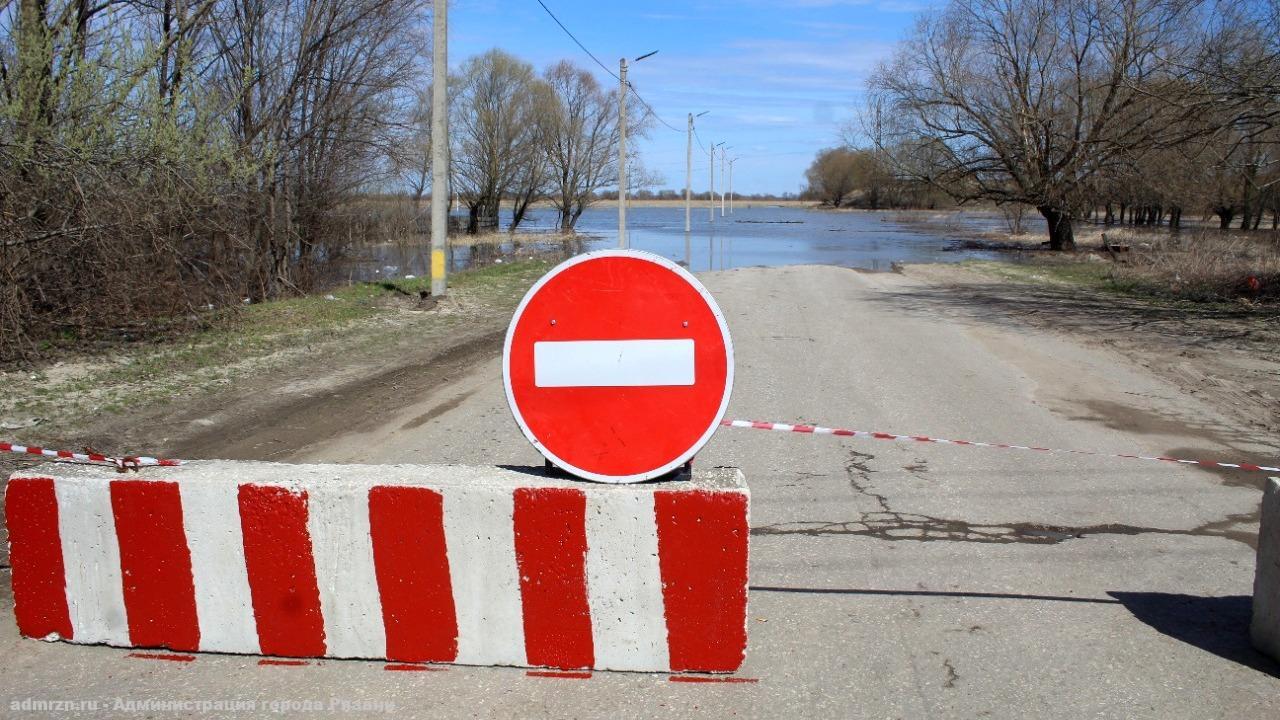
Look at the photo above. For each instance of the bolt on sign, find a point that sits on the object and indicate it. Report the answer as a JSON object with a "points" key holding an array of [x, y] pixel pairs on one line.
{"points": [[618, 366]]}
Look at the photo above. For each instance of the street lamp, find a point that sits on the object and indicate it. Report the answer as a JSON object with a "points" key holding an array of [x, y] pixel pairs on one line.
{"points": [[622, 147], [712, 199], [724, 152], [688, 169]]}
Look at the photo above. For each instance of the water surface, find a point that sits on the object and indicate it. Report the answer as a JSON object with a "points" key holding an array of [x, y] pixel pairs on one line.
{"points": [[756, 234]]}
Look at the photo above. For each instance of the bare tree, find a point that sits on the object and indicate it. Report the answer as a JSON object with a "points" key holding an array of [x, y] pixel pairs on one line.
{"points": [[414, 159], [533, 178], [218, 139], [495, 128], [1026, 100], [833, 175], [581, 140]]}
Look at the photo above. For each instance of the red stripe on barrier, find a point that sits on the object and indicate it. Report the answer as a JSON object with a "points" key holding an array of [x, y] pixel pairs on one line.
{"points": [[802, 428], [35, 558], [412, 568], [702, 554], [6, 447], [551, 552], [155, 564], [282, 575], [35, 451]]}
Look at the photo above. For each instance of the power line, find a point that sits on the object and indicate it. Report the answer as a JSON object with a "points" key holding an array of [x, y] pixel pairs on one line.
{"points": [[645, 103], [650, 108], [579, 42]]}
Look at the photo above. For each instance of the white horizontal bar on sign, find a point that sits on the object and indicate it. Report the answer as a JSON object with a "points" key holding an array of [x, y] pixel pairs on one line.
{"points": [[613, 363]]}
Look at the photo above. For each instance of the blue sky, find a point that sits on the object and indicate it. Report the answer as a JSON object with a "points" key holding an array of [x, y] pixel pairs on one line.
{"points": [[779, 78]]}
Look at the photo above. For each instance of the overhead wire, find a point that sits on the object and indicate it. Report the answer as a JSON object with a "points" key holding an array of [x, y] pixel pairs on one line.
{"points": [[648, 108], [578, 42], [699, 139]]}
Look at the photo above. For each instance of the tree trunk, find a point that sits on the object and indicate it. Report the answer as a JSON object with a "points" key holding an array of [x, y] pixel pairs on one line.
{"points": [[1109, 218], [1061, 235]]}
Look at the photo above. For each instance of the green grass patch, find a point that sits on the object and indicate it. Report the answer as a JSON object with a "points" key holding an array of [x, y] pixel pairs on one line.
{"points": [[365, 317]]}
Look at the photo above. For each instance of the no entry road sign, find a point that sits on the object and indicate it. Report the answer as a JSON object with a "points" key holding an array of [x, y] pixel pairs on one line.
{"points": [[618, 366]]}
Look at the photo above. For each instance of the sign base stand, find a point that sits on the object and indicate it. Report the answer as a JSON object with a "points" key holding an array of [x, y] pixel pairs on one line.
{"points": [[682, 473]]}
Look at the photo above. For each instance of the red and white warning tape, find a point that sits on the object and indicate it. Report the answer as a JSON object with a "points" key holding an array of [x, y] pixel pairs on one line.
{"points": [[819, 430], [127, 462]]}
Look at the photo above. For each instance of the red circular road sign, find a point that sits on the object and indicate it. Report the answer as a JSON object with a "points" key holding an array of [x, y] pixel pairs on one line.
{"points": [[618, 366]]}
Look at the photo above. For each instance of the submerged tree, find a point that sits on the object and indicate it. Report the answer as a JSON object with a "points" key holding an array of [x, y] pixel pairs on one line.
{"points": [[495, 132], [1027, 100], [582, 140]]}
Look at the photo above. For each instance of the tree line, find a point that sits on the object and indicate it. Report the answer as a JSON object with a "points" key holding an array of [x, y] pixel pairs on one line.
{"points": [[160, 158], [1131, 111]]}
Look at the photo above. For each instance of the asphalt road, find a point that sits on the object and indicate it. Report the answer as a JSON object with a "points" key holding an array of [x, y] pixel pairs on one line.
{"points": [[887, 580]]}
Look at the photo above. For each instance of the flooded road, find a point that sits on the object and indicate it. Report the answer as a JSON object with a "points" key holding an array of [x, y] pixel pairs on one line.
{"points": [[754, 235]]}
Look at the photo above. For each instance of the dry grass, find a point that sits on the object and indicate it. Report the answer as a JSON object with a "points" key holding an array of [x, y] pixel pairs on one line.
{"points": [[1203, 265]]}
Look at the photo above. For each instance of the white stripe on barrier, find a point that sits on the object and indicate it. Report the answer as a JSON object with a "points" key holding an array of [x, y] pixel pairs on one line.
{"points": [[480, 538], [91, 556], [624, 581], [224, 605], [341, 543]]}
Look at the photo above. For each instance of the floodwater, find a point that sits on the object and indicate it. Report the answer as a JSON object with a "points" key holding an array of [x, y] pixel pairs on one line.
{"points": [[756, 234]]}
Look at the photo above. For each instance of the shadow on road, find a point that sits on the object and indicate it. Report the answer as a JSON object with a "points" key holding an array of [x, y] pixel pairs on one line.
{"points": [[1219, 625], [1074, 308], [931, 593]]}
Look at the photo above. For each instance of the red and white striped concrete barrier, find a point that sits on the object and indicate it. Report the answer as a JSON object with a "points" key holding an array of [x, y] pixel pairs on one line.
{"points": [[469, 565]]}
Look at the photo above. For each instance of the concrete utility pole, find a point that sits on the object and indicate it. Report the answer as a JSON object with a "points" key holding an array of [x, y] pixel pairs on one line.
{"points": [[688, 175], [712, 200], [724, 152], [731, 162], [622, 153], [439, 147], [623, 242], [688, 170]]}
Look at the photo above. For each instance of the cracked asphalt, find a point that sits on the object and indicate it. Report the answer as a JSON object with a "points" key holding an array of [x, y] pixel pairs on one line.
{"points": [[889, 580]]}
